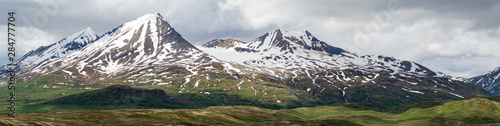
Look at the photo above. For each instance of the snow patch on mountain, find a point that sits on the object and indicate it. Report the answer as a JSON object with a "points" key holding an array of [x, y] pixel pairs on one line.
{"points": [[291, 50]]}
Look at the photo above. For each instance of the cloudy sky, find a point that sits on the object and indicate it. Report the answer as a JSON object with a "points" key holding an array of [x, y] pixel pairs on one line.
{"points": [[457, 37]]}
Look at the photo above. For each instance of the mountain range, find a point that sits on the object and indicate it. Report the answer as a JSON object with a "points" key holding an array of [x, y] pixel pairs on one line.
{"points": [[280, 69]]}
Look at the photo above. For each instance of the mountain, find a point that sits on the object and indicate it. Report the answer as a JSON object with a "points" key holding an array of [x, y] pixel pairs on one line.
{"points": [[301, 50], [59, 49], [280, 69], [475, 111], [46, 54], [124, 96], [490, 81], [302, 61]]}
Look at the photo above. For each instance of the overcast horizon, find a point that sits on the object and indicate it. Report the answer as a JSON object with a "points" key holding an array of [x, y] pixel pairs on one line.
{"points": [[458, 38]]}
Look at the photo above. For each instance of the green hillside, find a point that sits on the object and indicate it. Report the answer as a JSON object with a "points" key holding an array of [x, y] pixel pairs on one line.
{"points": [[475, 111]]}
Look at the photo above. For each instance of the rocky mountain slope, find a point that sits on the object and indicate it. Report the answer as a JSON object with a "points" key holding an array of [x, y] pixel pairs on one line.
{"points": [[489, 81]]}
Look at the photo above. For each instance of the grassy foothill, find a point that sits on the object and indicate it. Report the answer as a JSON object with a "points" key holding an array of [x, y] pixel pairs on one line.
{"points": [[475, 111]]}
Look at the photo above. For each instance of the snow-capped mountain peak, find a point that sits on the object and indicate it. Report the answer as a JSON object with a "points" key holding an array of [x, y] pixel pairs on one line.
{"points": [[85, 32], [490, 81], [62, 49], [143, 42], [147, 50], [301, 50]]}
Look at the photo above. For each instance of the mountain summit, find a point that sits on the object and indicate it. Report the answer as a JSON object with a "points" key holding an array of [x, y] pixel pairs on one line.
{"points": [[291, 41], [59, 49]]}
